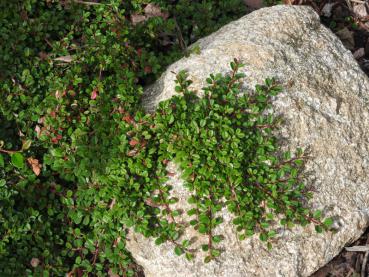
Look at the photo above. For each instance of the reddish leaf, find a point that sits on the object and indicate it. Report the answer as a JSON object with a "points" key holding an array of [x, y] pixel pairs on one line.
{"points": [[37, 130], [165, 162], [133, 142], [128, 119], [94, 94], [147, 69]]}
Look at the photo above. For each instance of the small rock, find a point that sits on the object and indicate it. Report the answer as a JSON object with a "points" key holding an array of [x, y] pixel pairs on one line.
{"points": [[327, 9], [347, 38], [359, 53], [360, 10]]}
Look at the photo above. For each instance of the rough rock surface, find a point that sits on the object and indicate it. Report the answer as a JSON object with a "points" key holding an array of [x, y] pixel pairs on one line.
{"points": [[326, 107]]}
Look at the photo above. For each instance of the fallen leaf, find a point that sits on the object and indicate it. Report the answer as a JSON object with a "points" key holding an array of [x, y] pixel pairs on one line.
{"points": [[151, 203], [43, 55], [152, 10], [112, 274], [94, 94], [137, 18], [359, 53], [35, 262], [132, 152], [360, 10], [133, 142], [37, 130], [112, 204], [66, 59], [128, 119], [35, 165]]}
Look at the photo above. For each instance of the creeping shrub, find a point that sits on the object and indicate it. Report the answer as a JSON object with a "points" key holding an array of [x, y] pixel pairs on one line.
{"points": [[81, 162]]}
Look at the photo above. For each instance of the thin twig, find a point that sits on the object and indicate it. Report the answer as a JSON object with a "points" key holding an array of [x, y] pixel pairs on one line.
{"points": [[88, 3], [8, 151], [363, 266], [349, 4]]}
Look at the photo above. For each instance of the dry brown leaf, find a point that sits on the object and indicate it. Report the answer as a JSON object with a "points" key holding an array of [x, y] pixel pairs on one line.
{"points": [[38, 130], [360, 10], [151, 203], [112, 204], [35, 165], [359, 53], [35, 262], [112, 274], [66, 59], [43, 55], [152, 10], [137, 18]]}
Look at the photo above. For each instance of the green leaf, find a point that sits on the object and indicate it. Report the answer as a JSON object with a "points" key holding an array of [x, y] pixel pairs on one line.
{"points": [[78, 260], [178, 251], [207, 259], [17, 160], [202, 229], [317, 214], [189, 256], [318, 229], [1, 161], [328, 222], [26, 145], [217, 239], [205, 247], [215, 252], [263, 237], [159, 241], [185, 243]]}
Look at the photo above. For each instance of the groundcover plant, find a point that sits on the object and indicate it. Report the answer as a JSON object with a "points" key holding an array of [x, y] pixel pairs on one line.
{"points": [[81, 162]]}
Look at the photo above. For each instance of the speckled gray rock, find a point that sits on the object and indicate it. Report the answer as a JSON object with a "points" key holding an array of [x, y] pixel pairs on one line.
{"points": [[325, 104]]}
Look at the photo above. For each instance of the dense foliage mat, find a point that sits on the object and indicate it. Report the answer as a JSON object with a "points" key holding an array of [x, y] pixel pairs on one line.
{"points": [[81, 162]]}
